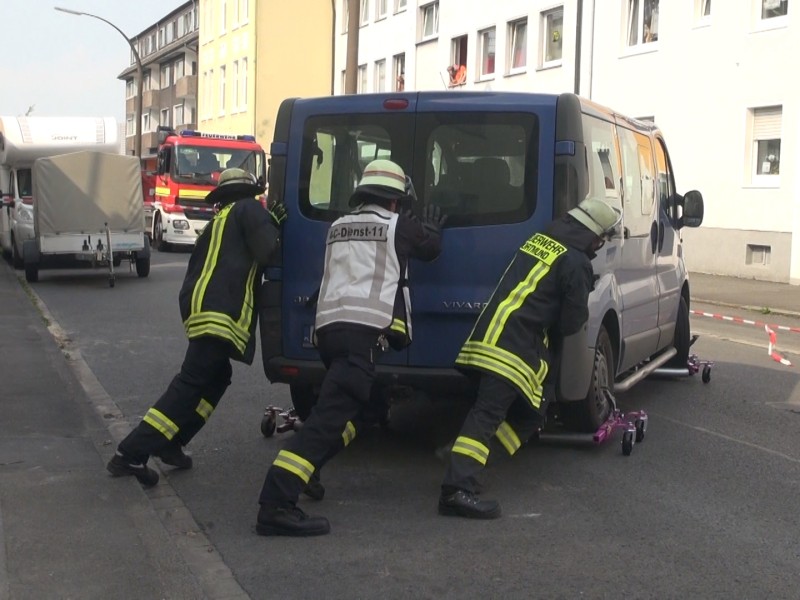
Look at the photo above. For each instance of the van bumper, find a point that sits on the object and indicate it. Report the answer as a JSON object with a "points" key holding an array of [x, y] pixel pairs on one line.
{"points": [[439, 381]]}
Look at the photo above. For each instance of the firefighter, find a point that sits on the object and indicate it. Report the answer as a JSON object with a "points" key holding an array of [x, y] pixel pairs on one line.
{"points": [[218, 311], [544, 292], [363, 307]]}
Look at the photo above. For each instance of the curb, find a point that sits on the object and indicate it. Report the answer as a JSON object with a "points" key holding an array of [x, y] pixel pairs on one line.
{"points": [[207, 566]]}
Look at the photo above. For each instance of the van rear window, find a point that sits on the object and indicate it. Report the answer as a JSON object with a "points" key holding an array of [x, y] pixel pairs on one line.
{"points": [[480, 168]]}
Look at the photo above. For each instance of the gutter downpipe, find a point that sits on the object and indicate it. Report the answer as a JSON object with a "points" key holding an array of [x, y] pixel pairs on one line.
{"points": [[591, 55], [578, 35], [333, 44]]}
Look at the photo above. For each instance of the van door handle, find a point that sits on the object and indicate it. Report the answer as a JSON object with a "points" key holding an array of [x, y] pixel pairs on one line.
{"points": [[654, 237]]}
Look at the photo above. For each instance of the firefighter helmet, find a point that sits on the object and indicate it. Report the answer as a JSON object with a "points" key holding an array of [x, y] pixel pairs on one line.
{"points": [[600, 218]]}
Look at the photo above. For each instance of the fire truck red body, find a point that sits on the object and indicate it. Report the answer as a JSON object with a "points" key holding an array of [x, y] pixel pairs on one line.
{"points": [[186, 169]]}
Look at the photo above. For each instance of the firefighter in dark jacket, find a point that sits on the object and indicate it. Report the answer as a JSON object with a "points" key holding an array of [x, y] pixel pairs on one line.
{"points": [[543, 292], [363, 306], [218, 311]]}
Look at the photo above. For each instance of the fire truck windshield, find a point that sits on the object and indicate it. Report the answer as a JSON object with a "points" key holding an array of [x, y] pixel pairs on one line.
{"points": [[203, 164]]}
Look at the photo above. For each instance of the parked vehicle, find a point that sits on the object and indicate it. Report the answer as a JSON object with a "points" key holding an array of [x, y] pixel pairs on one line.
{"points": [[22, 141], [501, 165], [87, 207], [187, 167]]}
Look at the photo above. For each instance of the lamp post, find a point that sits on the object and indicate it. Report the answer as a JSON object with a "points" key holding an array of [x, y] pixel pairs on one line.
{"points": [[137, 142]]}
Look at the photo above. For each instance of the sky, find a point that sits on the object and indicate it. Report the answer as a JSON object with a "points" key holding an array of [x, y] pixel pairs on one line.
{"points": [[65, 65]]}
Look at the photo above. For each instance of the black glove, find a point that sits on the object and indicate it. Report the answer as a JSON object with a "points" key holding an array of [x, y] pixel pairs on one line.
{"points": [[277, 210], [433, 219]]}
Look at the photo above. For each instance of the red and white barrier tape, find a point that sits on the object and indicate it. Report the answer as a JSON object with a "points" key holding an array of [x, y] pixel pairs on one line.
{"points": [[772, 348], [745, 321]]}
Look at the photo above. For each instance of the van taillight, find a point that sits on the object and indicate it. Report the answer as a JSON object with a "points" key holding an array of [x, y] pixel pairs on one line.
{"points": [[395, 104]]}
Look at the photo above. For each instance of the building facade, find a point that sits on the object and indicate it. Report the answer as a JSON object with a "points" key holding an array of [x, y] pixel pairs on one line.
{"points": [[710, 76], [168, 52]]}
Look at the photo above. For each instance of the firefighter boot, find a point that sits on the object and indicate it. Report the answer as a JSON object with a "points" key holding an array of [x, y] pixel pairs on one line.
{"points": [[173, 455], [462, 503], [289, 520], [119, 466]]}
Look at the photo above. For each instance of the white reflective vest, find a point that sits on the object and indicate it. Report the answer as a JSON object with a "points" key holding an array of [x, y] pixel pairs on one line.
{"points": [[362, 272]]}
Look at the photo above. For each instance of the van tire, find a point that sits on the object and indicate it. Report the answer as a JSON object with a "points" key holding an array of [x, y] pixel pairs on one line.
{"points": [[158, 236], [16, 259], [588, 414], [683, 338], [304, 397], [32, 272]]}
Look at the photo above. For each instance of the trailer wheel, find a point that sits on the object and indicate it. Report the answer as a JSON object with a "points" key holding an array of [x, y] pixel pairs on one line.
{"points": [[143, 266], [32, 272]]}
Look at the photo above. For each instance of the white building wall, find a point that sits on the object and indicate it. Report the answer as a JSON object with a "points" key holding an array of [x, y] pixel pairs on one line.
{"points": [[700, 81]]}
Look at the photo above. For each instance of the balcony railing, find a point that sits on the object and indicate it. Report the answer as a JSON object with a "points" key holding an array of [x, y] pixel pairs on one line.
{"points": [[150, 98], [186, 87]]}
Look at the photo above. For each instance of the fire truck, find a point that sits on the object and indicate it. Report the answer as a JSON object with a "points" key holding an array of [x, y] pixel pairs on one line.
{"points": [[186, 169]]}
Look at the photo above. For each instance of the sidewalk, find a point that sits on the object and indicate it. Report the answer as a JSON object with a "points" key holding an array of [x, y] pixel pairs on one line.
{"points": [[67, 530]]}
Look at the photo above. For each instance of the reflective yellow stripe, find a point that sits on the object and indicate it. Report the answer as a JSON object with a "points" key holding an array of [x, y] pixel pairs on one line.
{"points": [[472, 448], [195, 194], [508, 437], [217, 225], [508, 359], [398, 325], [162, 191], [219, 319], [349, 433], [246, 317], [513, 301], [161, 423], [204, 409], [294, 464], [528, 383]]}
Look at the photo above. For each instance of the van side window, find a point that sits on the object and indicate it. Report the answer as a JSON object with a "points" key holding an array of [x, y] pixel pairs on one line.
{"points": [[645, 149], [666, 181], [480, 168], [335, 151], [603, 160], [25, 182], [636, 177]]}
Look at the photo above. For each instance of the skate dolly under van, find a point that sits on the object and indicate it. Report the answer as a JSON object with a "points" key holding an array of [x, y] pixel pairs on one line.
{"points": [[633, 425], [289, 420], [693, 366]]}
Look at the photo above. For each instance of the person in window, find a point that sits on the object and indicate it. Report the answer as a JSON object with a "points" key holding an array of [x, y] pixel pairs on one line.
{"points": [[543, 293], [401, 82], [458, 74], [218, 311], [363, 308]]}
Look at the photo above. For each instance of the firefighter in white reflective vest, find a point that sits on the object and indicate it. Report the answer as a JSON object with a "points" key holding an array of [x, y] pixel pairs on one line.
{"points": [[218, 310], [363, 301], [545, 290]]}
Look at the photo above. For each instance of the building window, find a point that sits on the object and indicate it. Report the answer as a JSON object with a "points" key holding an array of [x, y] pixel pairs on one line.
{"points": [[146, 122], [222, 73], [164, 76], [130, 88], [129, 127], [345, 15], [164, 117], [243, 79], [552, 26], [518, 44], [774, 8], [235, 90], [362, 79], [706, 8], [223, 10], [399, 5], [457, 69], [344, 79], [430, 20], [642, 22], [179, 69], [177, 114], [381, 8], [364, 14], [486, 39], [399, 72], [767, 124], [380, 76]]}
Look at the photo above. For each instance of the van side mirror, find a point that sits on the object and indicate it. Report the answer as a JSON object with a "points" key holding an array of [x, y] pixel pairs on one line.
{"points": [[692, 210]]}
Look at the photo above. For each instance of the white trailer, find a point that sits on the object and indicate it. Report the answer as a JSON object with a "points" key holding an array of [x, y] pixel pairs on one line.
{"points": [[22, 141], [88, 208]]}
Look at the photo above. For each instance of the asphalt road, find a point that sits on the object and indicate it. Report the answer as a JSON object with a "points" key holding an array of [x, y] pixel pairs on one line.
{"points": [[705, 507]]}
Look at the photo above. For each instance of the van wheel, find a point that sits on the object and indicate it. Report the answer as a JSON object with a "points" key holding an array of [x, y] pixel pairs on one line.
{"points": [[16, 259], [588, 414], [682, 339], [32, 272], [304, 397], [158, 236]]}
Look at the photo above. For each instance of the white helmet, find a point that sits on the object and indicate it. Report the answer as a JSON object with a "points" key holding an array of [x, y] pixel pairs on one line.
{"points": [[600, 218]]}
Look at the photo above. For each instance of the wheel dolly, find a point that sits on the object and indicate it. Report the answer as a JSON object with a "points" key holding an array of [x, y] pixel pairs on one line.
{"points": [[269, 422], [633, 425]]}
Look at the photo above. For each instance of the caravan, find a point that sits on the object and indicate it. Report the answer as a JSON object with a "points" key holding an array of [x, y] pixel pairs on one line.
{"points": [[22, 141]]}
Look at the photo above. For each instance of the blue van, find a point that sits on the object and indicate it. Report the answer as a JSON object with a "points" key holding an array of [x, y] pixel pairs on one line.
{"points": [[501, 165]]}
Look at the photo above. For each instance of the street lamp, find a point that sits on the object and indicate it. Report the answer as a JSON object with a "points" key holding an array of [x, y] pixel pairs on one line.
{"points": [[137, 142]]}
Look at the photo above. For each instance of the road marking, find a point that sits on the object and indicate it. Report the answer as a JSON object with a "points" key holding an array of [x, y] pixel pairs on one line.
{"points": [[526, 516], [727, 437]]}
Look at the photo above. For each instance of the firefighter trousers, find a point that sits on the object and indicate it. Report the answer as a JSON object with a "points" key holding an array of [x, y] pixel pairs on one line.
{"points": [[349, 354], [501, 420], [187, 404]]}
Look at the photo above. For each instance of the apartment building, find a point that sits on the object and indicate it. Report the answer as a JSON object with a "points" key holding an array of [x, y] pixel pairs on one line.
{"points": [[254, 54], [168, 53], [712, 77]]}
